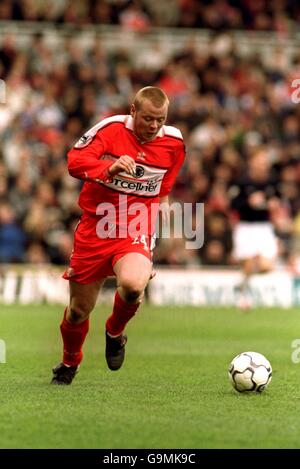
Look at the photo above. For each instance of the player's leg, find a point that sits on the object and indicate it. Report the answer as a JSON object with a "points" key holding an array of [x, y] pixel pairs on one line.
{"points": [[244, 254], [74, 328], [254, 265], [75, 324], [248, 268], [133, 272], [82, 300], [265, 264], [264, 248]]}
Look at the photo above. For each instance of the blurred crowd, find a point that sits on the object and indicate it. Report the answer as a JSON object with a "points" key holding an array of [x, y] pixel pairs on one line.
{"points": [[225, 104], [141, 15]]}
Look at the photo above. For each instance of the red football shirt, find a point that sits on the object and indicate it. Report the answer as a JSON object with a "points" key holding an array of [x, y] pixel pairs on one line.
{"points": [[125, 197]]}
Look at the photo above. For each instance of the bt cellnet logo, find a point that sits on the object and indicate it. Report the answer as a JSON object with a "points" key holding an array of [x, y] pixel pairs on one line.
{"points": [[2, 92], [134, 220]]}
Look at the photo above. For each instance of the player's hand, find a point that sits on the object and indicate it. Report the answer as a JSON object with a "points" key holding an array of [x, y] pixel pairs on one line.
{"points": [[124, 163]]}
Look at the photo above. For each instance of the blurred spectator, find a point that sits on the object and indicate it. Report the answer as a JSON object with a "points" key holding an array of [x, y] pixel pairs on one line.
{"points": [[173, 252], [134, 17], [20, 196], [12, 237], [36, 254], [62, 248], [218, 240], [139, 15]]}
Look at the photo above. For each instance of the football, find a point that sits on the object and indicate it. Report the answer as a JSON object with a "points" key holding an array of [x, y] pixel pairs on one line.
{"points": [[250, 371]]}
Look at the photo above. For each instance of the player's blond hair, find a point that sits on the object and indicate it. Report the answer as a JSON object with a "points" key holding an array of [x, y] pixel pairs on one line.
{"points": [[154, 94]]}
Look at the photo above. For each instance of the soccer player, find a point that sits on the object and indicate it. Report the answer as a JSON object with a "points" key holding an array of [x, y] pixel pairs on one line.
{"points": [[128, 164], [254, 240]]}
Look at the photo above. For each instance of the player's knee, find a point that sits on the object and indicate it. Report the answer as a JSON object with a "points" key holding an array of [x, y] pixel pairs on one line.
{"points": [[132, 296], [265, 265], [76, 317], [132, 292], [78, 312]]}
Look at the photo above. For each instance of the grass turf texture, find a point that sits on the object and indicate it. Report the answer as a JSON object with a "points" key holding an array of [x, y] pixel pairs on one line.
{"points": [[172, 392]]}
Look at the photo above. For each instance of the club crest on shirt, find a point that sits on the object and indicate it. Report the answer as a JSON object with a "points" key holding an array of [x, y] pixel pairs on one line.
{"points": [[146, 181], [84, 141], [139, 172]]}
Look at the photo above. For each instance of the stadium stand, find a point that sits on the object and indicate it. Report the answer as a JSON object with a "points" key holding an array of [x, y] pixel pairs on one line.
{"points": [[67, 65]]}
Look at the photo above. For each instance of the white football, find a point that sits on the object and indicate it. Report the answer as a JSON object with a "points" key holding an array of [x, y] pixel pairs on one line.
{"points": [[250, 371]]}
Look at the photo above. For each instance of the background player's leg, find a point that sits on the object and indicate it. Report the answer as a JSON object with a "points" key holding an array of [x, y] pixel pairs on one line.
{"points": [[265, 265], [251, 266]]}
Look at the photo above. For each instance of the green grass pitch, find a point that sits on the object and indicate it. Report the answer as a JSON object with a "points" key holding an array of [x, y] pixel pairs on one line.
{"points": [[172, 391]]}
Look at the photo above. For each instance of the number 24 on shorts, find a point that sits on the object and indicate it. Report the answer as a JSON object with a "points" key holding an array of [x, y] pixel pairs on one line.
{"points": [[142, 239]]}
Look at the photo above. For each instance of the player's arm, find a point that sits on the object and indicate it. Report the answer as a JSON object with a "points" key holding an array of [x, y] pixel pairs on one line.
{"points": [[84, 159], [164, 208], [171, 174]]}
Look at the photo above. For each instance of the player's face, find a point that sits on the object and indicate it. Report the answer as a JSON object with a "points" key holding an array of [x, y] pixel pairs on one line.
{"points": [[148, 120]]}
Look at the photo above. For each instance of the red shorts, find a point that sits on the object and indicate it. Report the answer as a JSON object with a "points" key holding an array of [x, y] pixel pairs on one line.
{"points": [[93, 258]]}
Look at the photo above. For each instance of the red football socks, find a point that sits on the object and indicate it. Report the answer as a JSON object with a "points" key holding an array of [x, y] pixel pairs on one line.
{"points": [[122, 313], [73, 336]]}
